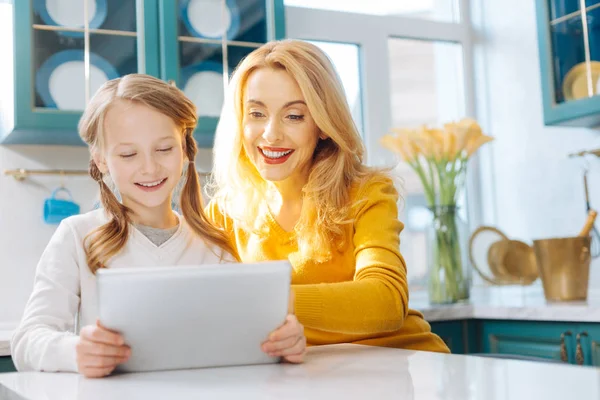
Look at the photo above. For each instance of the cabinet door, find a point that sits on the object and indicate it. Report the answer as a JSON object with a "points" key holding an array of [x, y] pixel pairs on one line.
{"points": [[203, 41], [569, 51], [531, 339], [6, 365], [65, 51]]}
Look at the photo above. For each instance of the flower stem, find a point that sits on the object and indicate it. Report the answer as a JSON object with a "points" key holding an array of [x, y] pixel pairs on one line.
{"points": [[447, 281]]}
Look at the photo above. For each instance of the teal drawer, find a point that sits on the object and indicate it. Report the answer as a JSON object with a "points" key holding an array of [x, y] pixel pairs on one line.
{"points": [[529, 338], [6, 364]]}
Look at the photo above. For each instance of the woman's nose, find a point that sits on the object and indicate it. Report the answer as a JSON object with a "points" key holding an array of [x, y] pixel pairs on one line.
{"points": [[272, 133]]}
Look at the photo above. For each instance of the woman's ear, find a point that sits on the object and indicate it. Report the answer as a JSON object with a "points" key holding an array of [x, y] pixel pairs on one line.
{"points": [[323, 136]]}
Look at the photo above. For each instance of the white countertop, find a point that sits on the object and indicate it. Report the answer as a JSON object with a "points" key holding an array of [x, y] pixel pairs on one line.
{"points": [[510, 302], [330, 372]]}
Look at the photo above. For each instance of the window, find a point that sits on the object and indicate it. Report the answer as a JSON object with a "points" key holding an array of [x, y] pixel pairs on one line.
{"points": [[345, 57], [439, 10]]}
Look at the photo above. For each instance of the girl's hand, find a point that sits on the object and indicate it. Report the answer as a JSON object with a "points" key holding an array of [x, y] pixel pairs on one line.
{"points": [[99, 351]]}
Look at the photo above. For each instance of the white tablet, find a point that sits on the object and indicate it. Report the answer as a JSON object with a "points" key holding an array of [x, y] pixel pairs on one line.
{"points": [[194, 316]]}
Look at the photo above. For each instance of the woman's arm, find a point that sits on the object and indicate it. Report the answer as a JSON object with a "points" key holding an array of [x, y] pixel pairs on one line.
{"points": [[44, 340], [377, 299]]}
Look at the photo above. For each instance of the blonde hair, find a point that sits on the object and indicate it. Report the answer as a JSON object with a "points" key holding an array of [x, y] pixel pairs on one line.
{"points": [[107, 240], [337, 165]]}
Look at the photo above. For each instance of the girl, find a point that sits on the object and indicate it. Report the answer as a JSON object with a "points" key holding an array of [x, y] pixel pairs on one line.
{"points": [[291, 183], [139, 132]]}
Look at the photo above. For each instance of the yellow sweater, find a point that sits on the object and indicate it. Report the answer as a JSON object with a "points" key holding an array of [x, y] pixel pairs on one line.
{"points": [[360, 295]]}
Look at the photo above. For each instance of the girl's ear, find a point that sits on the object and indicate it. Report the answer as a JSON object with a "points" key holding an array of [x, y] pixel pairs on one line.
{"points": [[100, 162]]}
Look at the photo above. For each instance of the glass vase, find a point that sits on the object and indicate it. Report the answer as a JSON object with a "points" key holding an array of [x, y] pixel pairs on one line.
{"points": [[449, 272]]}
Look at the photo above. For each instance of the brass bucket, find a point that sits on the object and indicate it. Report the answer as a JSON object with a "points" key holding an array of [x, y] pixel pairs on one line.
{"points": [[564, 266]]}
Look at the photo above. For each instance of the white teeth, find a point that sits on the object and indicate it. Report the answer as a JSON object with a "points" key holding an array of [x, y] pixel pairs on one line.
{"points": [[151, 184], [275, 154]]}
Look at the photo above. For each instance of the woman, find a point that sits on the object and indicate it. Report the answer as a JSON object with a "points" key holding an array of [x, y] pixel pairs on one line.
{"points": [[290, 184]]}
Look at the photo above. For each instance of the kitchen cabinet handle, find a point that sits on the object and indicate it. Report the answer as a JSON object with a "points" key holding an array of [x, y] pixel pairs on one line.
{"points": [[563, 347], [579, 357]]}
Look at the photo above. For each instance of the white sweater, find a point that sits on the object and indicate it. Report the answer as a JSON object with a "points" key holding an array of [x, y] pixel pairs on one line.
{"points": [[64, 286]]}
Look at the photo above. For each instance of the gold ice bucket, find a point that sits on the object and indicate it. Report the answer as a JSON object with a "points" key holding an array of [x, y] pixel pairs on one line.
{"points": [[564, 266]]}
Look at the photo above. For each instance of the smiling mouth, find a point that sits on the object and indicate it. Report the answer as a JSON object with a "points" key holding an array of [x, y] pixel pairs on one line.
{"points": [[274, 155], [151, 185]]}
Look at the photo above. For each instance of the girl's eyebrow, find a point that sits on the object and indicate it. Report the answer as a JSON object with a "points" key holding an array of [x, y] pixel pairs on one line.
{"points": [[133, 144]]}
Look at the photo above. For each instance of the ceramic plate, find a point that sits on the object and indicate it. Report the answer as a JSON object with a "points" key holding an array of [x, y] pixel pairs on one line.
{"points": [[60, 80], [69, 13], [575, 82], [210, 19], [203, 84]]}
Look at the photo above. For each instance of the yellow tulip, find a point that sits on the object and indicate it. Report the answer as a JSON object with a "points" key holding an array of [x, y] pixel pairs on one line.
{"points": [[466, 130], [431, 142], [454, 140], [400, 143], [437, 137], [476, 143], [420, 140], [449, 145]]}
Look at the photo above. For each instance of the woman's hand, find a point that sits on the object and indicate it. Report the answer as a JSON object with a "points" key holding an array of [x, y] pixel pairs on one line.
{"points": [[99, 351], [287, 341]]}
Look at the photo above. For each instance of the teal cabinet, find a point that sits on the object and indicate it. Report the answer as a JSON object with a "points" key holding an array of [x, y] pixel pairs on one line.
{"points": [[573, 343], [199, 58], [6, 365], [459, 336], [569, 52], [60, 61]]}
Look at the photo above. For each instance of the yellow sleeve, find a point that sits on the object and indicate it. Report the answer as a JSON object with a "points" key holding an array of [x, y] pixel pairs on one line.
{"points": [[377, 299]]}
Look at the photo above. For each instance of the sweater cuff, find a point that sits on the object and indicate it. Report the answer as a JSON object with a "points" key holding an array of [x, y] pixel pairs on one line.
{"points": [[67, 354], [308, 305]]}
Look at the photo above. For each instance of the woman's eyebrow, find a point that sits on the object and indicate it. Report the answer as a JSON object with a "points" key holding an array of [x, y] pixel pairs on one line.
{"points": [[289, 103]]}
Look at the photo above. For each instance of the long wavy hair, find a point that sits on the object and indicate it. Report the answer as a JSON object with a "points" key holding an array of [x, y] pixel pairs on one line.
{"points": [[108, 239], [337, 166]]}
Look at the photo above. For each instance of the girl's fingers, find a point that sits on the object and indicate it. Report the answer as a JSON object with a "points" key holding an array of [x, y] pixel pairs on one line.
{"points": [[101, 335], [92, 372], [106, 350]]}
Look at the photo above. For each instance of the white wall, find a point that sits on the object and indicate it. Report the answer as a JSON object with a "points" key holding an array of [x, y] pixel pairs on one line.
{"points": [[538, 190], [23, 234]]}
